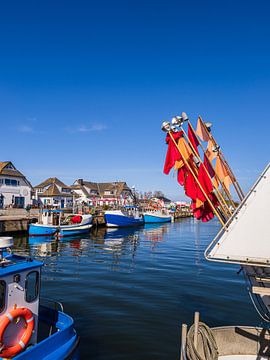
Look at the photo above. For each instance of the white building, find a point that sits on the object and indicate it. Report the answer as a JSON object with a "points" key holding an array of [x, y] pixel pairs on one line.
{"points": [[111, 193], [54, 193], [15, 189]]}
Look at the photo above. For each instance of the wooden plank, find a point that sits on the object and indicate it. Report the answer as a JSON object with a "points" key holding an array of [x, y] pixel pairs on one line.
{"points": [[262, 279], [260, 290]]}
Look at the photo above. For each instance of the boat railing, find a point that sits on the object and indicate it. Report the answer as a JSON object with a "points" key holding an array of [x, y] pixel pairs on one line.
{"points": [[55, 305]]}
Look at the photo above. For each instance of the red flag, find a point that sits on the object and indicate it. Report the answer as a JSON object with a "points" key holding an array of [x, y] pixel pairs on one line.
{"points": [[192, 137], [205, 183], [208, 166], [191, 186], [173, 154]]}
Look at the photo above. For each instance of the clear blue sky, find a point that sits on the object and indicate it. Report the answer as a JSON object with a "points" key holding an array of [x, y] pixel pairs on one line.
{"points": [[85, 85]]}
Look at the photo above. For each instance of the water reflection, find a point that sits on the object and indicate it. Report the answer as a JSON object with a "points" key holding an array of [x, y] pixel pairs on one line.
{"points": [[128, 288]]}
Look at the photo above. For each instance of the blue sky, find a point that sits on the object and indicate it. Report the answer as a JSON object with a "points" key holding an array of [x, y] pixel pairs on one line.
{"points": [[85, 85]]}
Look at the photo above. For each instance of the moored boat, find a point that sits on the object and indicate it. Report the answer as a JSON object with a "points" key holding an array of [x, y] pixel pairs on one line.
{"points": [[51, 224], [156, 216], [129, 216], [80, 224], [31, 328]]}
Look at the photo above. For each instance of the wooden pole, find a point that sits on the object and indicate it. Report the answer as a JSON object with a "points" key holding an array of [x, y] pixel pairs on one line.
{"points": [[197, 181], [196, 328], [235, 182], [223, 186], [226, 210], [183, 341]]}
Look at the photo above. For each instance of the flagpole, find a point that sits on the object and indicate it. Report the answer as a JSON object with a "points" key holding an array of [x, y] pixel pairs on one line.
{"points": [[235, 182], [197, 181], [216, 175], [226, 209]]}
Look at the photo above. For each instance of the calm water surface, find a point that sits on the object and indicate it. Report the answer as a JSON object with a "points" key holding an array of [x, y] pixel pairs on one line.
{"points": [[129, 290]]}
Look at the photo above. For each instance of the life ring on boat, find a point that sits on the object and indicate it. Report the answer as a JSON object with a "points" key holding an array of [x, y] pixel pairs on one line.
{"points": [[27, 315]]}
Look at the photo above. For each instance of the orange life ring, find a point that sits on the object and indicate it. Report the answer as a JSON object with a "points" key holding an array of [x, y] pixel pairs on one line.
{"points": [[8, 352]]}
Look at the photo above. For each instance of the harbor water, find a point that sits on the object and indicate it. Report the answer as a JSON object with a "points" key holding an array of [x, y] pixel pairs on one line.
{"points": [[129, 290]]}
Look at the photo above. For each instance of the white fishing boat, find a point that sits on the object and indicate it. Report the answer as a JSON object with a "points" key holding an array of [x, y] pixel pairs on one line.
{"points": [[244, 240]]}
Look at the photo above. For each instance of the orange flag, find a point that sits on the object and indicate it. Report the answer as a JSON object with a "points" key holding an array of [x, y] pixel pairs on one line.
{"points": [[201, 131], [184, 148], [223, 174], [209, 151]]}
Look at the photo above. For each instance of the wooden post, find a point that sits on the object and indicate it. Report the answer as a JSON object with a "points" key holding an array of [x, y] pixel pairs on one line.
{"points": [[196, 328], [183, 342], [197, 181]]}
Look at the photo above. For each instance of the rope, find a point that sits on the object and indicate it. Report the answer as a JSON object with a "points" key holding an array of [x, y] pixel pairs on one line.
{"points": [[209, 345]]}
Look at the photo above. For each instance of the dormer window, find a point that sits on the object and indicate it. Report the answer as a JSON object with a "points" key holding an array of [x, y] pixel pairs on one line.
{"points": [[108, 192], [9, 166]]}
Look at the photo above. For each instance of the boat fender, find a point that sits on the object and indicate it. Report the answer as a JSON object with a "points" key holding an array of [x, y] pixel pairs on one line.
{"points": [[27, 315]]}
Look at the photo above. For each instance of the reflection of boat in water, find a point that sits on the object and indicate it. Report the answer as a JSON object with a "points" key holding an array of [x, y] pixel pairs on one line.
{"points": [[115, 238], [50, 224], [127, 217], [155, 231], [115, 233], [31, 327]]}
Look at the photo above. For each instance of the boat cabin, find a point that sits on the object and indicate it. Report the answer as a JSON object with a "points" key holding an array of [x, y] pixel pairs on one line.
{"points": [[19, 301], [30, 328], [50, 217]]}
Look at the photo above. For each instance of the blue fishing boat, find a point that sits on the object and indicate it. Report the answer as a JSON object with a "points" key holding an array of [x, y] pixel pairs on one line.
{"points": [[156, 216], [128, 216], [31, 327], [52, 223], [48, 223]]}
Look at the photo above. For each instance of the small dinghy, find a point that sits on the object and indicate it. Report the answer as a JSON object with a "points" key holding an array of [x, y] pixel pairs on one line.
{"points": [[30, 327]]}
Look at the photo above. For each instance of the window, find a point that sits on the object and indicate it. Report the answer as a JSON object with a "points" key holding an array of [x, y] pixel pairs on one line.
{"points": [[2, 295], [65, 190], [12, 182], [9, 166], [108, 192], [32, 286], [1, 181]]}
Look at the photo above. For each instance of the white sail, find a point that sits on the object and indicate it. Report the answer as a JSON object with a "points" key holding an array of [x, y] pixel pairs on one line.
{"points": [[247, 238]]}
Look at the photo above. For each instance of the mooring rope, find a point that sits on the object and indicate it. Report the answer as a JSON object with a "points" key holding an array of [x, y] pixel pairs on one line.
{"points": [[209, 345]]}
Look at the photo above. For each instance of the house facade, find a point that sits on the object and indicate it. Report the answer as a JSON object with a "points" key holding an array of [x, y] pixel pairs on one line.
{"points": [[15, 189], [54, 193], [110, 193]]}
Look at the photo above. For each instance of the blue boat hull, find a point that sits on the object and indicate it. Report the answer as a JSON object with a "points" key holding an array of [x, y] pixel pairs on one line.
{"points": [[62, 344], [42, 230], [152, 219], [122, 221]]}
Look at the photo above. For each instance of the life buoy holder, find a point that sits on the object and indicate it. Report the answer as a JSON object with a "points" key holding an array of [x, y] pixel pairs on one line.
{"points": [[27, 315]]}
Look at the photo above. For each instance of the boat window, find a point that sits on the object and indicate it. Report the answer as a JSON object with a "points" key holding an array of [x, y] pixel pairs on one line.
{"points": [[31, 286], [2, 294]]}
